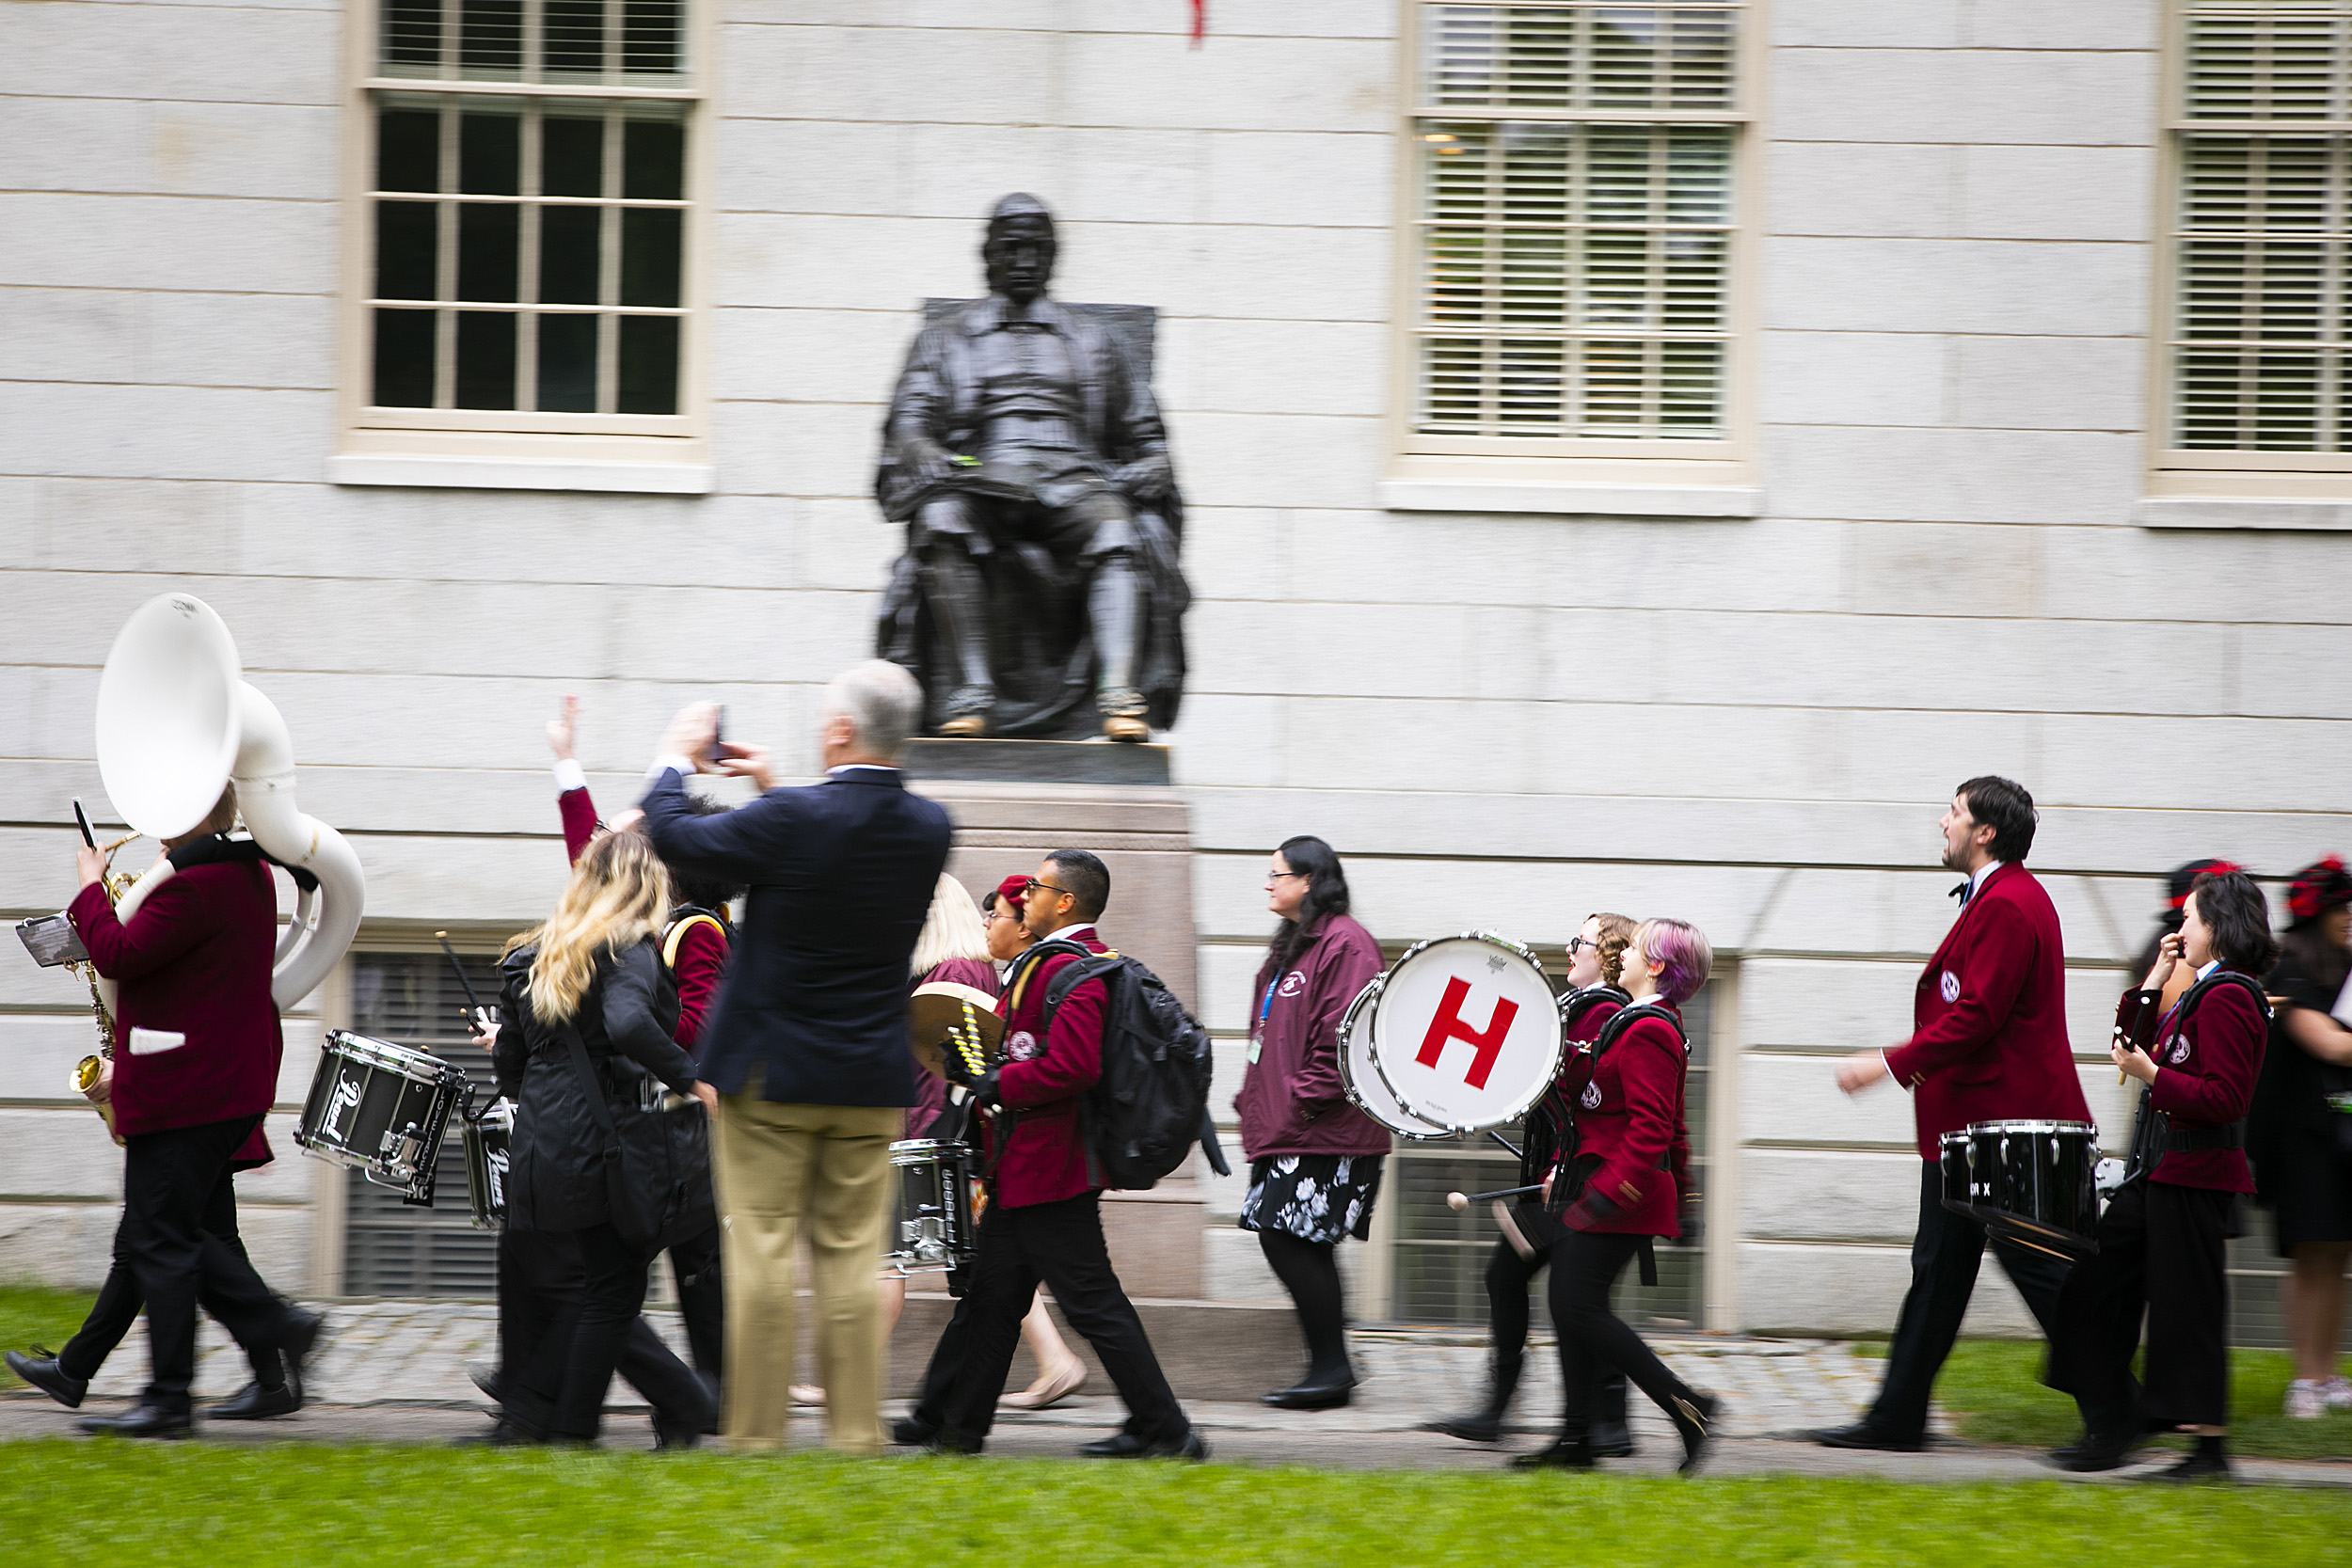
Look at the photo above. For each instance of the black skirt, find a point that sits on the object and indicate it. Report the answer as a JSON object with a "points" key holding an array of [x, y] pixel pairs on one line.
{"points": [[1315, 1197]]}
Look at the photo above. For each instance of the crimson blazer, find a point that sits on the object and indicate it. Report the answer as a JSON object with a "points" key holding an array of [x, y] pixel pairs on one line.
{"points": [[1046, 1073], [193, 963], [2206, 1064], [1628, 1115], [1291, 1100], [1988, 1038]]}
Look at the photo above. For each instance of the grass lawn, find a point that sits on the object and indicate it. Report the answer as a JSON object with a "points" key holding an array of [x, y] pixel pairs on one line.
{"points": [[227, 1506], [31, 1315], [1993, 1388]]}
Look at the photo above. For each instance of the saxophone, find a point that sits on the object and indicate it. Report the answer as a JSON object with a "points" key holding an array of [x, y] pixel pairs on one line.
{"points": [[93, 1075]]}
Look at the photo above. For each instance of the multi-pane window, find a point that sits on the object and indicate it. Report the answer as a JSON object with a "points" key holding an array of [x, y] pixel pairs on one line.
{"points": [[1575, 220], [2262, 128], [528, 206]]}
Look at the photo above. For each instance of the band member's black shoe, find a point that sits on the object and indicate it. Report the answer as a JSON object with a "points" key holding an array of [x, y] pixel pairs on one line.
{"points": [[2095, 1452], [485, 1377], [1694, 1421], [141, 1421], [908, 1432], [1328, 1395], [1565, 1453], [1611, 1440], [40, 1368], [254, 1403], [1862, 1435], [301, 1342], [2204, 1464], [677, 1435], [502, 1434], [1128, 1445], [1478, 1426]]}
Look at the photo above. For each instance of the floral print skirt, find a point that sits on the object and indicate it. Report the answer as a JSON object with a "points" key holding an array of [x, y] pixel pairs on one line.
{"points": [[1315, 1197]]}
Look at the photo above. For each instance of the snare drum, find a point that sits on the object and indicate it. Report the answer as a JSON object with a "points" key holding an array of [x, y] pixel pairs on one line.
{"points": [[381, 1109], [488, 1140], [935, 1227], [2035, 1183], [1952, 1148], [1361, 1085], [1465, 1032]]}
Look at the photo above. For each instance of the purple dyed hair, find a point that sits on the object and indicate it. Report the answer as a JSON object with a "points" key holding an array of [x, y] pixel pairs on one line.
{"points": [[1682, 951]]}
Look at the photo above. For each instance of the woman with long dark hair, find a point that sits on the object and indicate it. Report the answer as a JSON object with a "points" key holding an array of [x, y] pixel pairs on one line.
{"points": [[2301, 1130], [1314, 1159]]}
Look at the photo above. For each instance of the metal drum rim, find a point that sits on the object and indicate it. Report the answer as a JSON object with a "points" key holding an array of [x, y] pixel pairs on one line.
{"points": [[1559, 1030], [391, 1056], [1347, 1071], [2031, 1126]]}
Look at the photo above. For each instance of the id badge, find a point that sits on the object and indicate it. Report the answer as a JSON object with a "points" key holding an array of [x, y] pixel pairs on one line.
{"points": [[1257, 1043]]}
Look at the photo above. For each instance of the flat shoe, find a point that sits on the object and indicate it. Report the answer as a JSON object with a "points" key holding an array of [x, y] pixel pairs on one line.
{"points": [[1051, 1389], [1860, 1435], [1481, 1427], [254, 1403], [38, 1368], [140, 1420], [808, 1394]]}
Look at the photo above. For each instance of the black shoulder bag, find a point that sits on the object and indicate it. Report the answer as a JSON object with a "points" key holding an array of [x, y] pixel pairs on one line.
{"points": [[648, 1163]]}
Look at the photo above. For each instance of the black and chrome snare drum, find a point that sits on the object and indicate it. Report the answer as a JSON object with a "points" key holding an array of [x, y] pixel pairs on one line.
{"points": [[1952, 1151], [2034, 1183], [488, 1140], [936, 1228], [381, 1109]]}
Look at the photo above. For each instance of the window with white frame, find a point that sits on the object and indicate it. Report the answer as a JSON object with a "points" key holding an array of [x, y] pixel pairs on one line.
{"points": [[2260, 122], [527, 234], [1574, 230]]}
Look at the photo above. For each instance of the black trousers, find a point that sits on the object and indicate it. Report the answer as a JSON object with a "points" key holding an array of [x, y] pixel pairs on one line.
{"points": [[702, 1302], [1585, 1270], [2162, 1249], [542, 1286], [1060, 1244], [1945, 1253], [119, 1303], [170, 1182], [1508, 1277]]}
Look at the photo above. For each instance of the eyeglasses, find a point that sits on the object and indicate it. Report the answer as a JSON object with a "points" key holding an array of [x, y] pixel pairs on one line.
{"points": [[1578, 944], [1032, 885], [1278, 875]]}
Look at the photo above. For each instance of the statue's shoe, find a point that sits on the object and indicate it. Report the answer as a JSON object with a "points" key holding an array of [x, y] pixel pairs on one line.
{"points": [[1124, 716], [969, 727], [1119, 726]]}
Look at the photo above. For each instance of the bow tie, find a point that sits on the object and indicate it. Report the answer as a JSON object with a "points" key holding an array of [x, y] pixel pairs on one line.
{"points": [[1961, 891]]}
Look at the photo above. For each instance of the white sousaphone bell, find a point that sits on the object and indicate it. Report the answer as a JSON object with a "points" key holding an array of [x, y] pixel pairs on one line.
{"points": [[177, 721]]}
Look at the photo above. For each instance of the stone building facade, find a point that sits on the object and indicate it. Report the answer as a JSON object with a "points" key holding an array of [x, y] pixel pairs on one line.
{"points": [[1923, 516]]}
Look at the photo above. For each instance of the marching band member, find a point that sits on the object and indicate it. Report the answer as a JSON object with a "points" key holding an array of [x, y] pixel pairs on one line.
{"points": [[1595, 956], [197, 1070], [1315, 1160], [1045, 1220], [589, 980], [1988, 1044], [2163, 1238], [1620, 1189]]}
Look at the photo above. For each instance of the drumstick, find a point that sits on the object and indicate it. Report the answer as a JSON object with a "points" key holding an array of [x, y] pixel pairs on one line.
{"points": [[1514, 1152], [1459, 1201], [481, 1012]]}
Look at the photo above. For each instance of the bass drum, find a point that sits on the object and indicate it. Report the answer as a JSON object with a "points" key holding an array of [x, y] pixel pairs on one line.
{"points": [[1465, 1032], [1364, 1088]]}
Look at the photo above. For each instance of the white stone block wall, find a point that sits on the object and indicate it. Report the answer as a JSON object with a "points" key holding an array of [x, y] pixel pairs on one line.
{"points": [[1501, 719]]}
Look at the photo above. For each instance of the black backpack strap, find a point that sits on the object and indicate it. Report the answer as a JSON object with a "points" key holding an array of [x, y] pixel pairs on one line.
{"points": [[1093, 966], [2186, 1140], [1626, 1018]]}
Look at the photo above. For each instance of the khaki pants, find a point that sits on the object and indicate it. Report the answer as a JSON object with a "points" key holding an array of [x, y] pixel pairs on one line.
{"points": [[782, 1171]]}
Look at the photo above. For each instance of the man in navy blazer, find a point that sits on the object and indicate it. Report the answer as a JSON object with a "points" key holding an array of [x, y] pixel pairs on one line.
{"points": [[807, 1043]]}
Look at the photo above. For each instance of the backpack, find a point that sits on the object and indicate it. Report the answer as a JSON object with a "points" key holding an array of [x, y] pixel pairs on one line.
{"points": [[1151, 1105]]}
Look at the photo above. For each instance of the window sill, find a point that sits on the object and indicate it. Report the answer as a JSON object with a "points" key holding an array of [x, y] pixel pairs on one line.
{"points": [[2258, 513], [443, 471], [1571, 497]]}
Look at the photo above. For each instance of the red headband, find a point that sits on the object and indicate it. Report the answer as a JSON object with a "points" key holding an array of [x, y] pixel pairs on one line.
{"points": [[2197, 869], [2318, 888], [1011, 891]]}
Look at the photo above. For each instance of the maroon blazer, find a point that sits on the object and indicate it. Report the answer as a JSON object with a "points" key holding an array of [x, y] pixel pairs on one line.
{"points": [[1628, 1115], [2206, 1064], [193, 963], [1046, 1073], [1291, 1100], [1988, 1038], [702, 952]]}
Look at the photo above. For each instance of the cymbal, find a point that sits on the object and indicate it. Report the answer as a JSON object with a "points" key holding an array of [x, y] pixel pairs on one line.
{"points": [[936, 1009]]}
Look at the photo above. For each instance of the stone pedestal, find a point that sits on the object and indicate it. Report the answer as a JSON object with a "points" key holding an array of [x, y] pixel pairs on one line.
{"points": [[1012, 801]]}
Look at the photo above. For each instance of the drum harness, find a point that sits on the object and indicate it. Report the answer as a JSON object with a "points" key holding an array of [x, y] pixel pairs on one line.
{"points": [[2153, 1135], [1562, 1193]]}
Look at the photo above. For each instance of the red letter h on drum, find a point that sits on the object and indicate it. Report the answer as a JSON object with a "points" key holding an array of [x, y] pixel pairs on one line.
{"points": [[1448, 1026]]}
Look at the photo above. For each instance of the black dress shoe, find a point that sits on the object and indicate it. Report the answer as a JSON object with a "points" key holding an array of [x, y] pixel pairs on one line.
{"points": [[1611, 1440], [38, 1368], [502, 1434], [908, 1432], [141, 1421], [1862, 1435], [1128, 1445], [1563, 1453], [2198, 1466], [254, 1403], [485, 1377], [301, 1340], [1695, 1420], [2095, 1452], [1313, 1396], [952, 1443], [1482, 1426]]}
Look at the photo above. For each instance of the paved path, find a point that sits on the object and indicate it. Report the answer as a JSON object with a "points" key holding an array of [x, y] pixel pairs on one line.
{"points": [[395, 1371]]}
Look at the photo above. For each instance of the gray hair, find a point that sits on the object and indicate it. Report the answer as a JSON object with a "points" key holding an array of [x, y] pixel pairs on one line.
{"points": [[881, 702]]}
